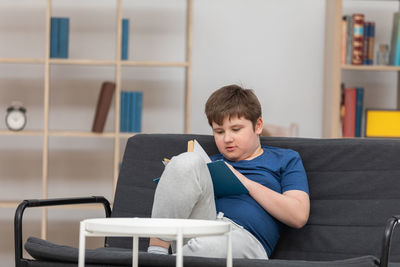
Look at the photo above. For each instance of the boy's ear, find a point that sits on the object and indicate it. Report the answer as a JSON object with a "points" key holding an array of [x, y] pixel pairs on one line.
{"points": [[259, 126]]}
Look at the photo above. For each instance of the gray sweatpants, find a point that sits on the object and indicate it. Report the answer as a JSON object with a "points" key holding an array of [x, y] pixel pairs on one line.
{"points": [[185, 191]]}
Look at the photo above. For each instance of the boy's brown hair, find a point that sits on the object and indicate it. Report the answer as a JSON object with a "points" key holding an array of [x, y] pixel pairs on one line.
{"points": [[230, 101]]}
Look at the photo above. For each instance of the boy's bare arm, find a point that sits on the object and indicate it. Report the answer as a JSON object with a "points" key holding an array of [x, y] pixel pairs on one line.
{"points": [[292, 207]]}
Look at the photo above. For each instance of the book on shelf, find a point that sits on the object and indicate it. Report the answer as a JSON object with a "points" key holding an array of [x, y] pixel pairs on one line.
{"points": [[358, 39], [394, 55], [125, 39], [131, 111], [103, 106], [382, 123], [349, 119], [369, 40], [224, 181], [349, 39], [371, 43], [352, 109], [54, 37], [359, 111], [59, 37], [344, 40]]}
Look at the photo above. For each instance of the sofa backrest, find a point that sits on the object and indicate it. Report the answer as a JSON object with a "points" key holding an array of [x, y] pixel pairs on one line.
{"points": [[354, 188]]}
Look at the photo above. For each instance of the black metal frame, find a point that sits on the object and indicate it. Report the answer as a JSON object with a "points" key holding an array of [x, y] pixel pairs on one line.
{"points": [[32, 203], [387, 238]]}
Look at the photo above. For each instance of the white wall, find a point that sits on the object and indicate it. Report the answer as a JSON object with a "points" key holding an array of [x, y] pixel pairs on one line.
{"points": [[275, 47]]}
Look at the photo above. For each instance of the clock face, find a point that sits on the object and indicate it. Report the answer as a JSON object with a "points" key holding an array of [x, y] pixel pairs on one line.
{"points": [[15, 120]]}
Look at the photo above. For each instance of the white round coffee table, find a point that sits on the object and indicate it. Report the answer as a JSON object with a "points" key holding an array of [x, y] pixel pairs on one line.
{"points": [[150, 227]]}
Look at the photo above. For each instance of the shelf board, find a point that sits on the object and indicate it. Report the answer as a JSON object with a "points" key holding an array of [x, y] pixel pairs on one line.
{"points": [[154, 63], [81, 134], [66, 134], [22, 60], [371, 67], [67, 61], [21, 133]]}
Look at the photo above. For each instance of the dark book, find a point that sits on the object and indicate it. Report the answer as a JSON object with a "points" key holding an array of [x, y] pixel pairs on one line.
{"points": [[371, 43], [103, 106], [367, 27], [359, 110]]}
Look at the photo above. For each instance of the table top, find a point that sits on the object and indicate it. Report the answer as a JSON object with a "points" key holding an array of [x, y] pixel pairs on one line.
{"points": [[154, 227]]}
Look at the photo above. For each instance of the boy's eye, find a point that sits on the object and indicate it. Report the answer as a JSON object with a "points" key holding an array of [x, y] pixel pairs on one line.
{"points": [[218, 131], [236, 129]]}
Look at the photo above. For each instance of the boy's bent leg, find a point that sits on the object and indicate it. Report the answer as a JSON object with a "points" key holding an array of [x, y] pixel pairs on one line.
{"points": [[185, 190]]}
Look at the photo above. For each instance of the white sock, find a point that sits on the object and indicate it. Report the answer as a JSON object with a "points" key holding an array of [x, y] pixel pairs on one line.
{"points": [[157, 250]]}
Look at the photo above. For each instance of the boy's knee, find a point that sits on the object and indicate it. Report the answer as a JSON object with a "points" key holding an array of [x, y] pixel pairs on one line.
{"points": [[187, 160]]}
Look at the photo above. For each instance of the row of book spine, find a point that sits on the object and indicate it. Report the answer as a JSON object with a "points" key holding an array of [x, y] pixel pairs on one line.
{"points": [[358, 40], [352, 111], [59, 38], [130, 112]]}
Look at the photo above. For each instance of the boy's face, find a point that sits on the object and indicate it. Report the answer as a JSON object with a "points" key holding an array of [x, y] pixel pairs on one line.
{"points": [[236, 138]]}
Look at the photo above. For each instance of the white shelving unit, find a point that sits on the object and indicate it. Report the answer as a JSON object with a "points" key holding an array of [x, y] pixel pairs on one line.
{"points": [[45, 132]]}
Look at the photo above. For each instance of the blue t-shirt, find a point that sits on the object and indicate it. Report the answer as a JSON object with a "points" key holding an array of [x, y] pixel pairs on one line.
{"points": [[276, 168]]}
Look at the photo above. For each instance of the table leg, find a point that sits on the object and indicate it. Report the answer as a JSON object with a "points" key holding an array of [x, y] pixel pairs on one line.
{"points": [[229, 248], [179, 247], [135, 259], [82, 245]]}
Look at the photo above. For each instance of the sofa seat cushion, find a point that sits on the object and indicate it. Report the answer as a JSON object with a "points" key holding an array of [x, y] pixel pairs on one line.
{"points": [[46, 251]]}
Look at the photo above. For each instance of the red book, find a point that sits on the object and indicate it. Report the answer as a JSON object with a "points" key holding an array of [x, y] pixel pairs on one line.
{"points": [[349, 120], [103, 105], [358, 39]]}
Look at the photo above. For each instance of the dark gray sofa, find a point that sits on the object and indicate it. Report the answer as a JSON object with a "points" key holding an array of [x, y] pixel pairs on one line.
{"points": [[354, 189]]}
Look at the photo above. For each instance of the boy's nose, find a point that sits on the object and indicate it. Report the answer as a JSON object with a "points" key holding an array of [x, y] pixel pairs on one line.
{"points": [[228, 138]]}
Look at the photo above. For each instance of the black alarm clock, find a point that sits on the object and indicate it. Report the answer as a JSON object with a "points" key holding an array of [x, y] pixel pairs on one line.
{"points": [[16, 117]]}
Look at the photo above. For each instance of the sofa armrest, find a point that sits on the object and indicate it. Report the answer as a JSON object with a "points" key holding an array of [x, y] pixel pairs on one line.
{"points": [[387, 238], [31, 203]]}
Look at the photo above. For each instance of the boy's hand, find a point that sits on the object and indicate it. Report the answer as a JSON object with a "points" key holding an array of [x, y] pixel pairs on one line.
{"points": [[243, 179]]}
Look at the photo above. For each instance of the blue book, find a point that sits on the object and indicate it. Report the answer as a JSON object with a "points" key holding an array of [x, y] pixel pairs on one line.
{"points": [[132, 102], [367, 28], [123, 118], [63, 32], [359, 110], [138, 111], [371, 43], [125, 39], [121, 113], [54, 37]]}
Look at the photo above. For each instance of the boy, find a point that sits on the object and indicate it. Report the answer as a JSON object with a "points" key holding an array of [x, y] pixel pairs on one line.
{"points": [[274, 177]]}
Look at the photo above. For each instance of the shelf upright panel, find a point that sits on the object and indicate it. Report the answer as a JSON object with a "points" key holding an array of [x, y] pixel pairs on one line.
{"points": [[332, 73], [46, 96], [117, 96]]}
